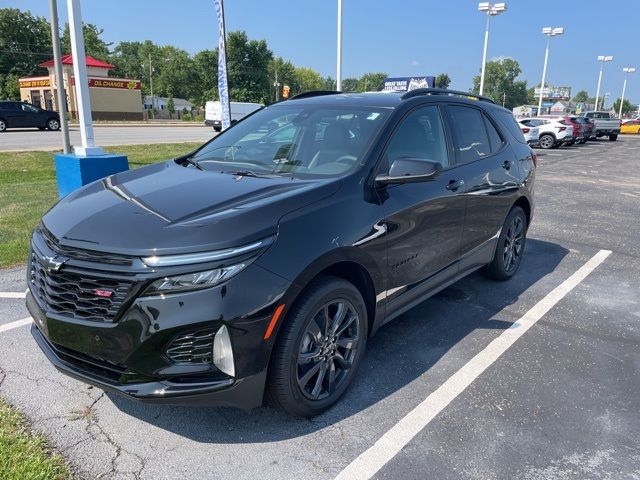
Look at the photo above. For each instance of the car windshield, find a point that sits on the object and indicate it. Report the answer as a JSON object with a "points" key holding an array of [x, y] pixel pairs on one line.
{"points": [[289, 139]]}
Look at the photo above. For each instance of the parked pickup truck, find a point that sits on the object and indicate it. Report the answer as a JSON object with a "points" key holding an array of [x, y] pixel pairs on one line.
{"points": [[605, 125]]}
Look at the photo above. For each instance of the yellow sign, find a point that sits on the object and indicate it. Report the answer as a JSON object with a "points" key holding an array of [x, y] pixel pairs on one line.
{"points": [[44, 82]]}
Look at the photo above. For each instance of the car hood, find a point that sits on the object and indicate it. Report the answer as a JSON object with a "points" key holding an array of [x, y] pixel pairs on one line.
{"points": [[166, 208]]}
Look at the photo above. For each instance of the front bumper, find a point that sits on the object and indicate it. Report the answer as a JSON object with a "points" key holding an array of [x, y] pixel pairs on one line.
{"points": [[129, 354]]}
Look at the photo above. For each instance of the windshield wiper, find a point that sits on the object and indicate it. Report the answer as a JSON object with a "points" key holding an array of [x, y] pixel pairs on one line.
{"points": [[249, 173]]}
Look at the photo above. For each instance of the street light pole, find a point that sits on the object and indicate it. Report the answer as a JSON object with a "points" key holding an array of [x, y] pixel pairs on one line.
{"points": [[339, 52], [625, 70], [57, 61], [491, 11], [602, 59], [549, 32]]}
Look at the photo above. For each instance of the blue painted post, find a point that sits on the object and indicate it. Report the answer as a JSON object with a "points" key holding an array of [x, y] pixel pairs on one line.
{"points": [[74, 171]]}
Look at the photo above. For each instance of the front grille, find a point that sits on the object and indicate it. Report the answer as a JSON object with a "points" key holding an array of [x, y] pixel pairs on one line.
{"points": [[72, 295], [82, 254], [193, 347]]}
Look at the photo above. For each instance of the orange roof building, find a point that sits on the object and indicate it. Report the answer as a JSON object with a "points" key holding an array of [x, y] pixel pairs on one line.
{"points": [[111, 98]]}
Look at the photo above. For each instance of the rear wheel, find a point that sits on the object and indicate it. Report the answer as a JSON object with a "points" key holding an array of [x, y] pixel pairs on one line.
{"points": [[53, 124], [613, 137], [583, 140], [546, 141], [510, 247], [319, 348]]}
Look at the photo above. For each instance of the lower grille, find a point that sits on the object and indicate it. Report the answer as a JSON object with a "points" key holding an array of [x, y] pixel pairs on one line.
{"points": [[74, 295], [193, 347]]}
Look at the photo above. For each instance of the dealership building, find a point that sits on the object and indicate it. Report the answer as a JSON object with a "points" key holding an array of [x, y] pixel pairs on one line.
{"points": [[111, 98]]}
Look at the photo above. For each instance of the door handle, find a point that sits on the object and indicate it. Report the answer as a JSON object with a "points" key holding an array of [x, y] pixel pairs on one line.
{"points": [[453, 185], [506, 164]]}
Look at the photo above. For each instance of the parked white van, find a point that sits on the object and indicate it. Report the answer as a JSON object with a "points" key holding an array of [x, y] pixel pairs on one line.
{"points": [[213, 112]]}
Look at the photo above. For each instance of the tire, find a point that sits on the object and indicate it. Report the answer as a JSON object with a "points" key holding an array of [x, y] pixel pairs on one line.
{"points": [[613, 137], [546, 141], [302, 340], [583, 141], [638, 132], [217, 129], [3, 125], [503, 266], [53, 124]]}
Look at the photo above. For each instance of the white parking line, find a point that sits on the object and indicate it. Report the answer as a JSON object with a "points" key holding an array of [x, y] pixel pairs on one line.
{"points": [[18, 323], [629, 194], [13, 294], [389, 445]]}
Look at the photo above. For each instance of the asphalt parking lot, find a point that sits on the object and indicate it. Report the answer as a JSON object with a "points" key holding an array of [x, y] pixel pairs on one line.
{"points": [[20, 140], [536, 378]]}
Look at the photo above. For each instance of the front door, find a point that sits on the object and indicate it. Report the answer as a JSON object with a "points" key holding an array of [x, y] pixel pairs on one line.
{"points": [[424, 220]]}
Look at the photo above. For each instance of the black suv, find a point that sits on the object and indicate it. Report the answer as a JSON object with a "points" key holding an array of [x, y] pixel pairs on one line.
{"points": [[25, 115], [266, 258]]}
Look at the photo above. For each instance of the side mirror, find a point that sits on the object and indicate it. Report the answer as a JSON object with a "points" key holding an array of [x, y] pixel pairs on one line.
{"points": [[409, 170]]}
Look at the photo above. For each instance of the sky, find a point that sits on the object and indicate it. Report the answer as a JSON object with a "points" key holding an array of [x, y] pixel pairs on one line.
{"points": [[411, 37]]}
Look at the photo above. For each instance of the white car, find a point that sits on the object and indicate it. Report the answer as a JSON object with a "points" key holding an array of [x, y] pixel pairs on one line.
{"points": [[239, 110], [531, 134], [553, 133]]}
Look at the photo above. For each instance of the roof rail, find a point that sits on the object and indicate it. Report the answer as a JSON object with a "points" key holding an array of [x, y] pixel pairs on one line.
{"points": [[314, 93], [443, 91]]}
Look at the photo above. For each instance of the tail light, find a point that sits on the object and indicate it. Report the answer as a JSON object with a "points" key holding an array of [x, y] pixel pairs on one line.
{"points": [[562, 129], [526, 130]]}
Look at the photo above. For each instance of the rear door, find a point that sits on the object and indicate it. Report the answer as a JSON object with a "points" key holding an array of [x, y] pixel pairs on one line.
{"points": [[13, 114], [491, 180], [423, 220]]}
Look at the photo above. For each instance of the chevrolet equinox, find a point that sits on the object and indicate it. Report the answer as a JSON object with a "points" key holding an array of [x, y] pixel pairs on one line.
{"points": [[262, 261]]}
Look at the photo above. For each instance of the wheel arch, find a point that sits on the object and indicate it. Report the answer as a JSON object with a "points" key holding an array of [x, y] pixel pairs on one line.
{"points": [[525, 205]]}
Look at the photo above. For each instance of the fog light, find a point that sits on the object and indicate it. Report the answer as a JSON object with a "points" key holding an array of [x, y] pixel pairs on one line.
{"points": [[222, 352]]}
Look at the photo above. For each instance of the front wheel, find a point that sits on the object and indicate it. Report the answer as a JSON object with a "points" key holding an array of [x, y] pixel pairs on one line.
{"points": [[3, 125], [613, 137], [510, 247], [319, 347]]}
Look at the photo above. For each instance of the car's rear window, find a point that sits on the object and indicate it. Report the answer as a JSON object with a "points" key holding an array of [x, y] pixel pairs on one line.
{"points": [[508, 122]]}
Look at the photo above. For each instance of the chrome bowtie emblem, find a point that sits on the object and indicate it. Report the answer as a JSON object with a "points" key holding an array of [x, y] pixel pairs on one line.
{"points": [[52, 264]]}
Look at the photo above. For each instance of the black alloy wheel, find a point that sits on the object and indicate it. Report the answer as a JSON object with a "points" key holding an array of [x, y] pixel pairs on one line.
{"points": [[513, 245], [509, 248], [318, 348], [327, 349]]}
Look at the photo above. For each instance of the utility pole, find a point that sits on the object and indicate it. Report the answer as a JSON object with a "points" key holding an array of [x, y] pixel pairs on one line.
{"points": [[151, 86], [491, 11], [277, 85], [549, 32], [339, 52], [602, 59], [62, 98], [625, 70]]}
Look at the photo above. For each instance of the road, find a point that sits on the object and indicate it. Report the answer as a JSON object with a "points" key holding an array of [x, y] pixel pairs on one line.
{"points": [[30, 139], [535, 378]]}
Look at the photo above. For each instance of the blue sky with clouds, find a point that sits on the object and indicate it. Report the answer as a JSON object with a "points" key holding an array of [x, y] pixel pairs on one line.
{"points": [[399, 37]]}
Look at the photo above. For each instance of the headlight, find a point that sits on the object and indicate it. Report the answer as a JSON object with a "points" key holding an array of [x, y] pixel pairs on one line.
{"points": [[195, 281]]}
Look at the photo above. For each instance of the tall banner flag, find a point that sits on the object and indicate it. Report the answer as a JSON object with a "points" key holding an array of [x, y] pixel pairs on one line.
{"points": [[223, 85]]}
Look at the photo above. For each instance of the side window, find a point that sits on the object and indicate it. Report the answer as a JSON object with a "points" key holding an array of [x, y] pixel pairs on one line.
{"points": [[470, 135], [494, 137], [420, 135], [28, 108]]}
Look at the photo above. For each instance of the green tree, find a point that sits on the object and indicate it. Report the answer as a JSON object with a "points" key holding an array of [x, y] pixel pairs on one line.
{"points": [[581, 97], [443, 81], [25, 41], [248, 68], [308, 79], [205, 69], [350, 84], [372, 82], [627, 107], [171, 107], [501, 83], [94, 46], [328, 83], [9, 87]]}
